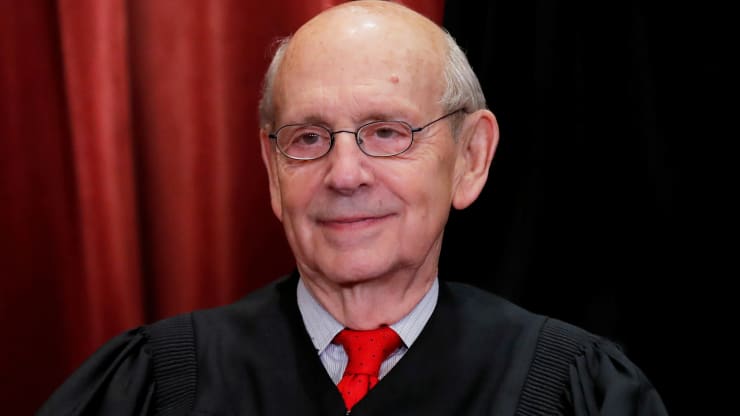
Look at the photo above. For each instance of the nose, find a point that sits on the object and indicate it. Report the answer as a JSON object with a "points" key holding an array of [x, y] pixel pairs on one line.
{"points": [[349, 168]]}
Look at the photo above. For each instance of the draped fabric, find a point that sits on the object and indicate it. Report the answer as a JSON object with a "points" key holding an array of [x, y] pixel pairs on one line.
{"points": [[131, 186]]}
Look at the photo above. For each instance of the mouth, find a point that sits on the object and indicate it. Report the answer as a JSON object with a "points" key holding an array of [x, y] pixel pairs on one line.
{"points": [[353, 222]]}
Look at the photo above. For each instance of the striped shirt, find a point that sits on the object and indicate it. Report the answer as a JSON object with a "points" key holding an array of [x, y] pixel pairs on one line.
{"points": [[322, 327]]}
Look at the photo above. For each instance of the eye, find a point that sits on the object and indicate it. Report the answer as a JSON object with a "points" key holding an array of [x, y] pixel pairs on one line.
{"points": [[307, 136], [385, 133], [303, 141], [386, 130]]}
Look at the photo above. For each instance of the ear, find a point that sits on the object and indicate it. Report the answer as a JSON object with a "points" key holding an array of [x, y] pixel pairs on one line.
{"points": [[478, 143], [270, 161]]}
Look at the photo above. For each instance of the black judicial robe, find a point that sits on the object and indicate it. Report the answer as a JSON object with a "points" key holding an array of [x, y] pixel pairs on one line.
{"points": [[478, 355]]}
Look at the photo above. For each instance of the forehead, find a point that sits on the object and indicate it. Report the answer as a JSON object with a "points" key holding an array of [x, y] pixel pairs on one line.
{"points": [[361, 62]]}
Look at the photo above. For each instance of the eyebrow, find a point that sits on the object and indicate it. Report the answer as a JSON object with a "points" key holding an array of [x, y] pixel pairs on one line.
{"points": [[367, 118], [313, 119], [383, 117]]}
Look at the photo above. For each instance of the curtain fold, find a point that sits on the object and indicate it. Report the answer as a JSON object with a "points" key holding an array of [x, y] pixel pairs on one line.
{"points": [[96, 80]]}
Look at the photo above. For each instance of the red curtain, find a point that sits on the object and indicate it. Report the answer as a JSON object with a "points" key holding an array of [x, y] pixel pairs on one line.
{"points": [[131, 186]]}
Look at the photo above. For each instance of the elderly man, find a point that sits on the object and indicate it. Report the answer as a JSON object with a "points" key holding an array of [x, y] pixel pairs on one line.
{"points": [[373, 126]]}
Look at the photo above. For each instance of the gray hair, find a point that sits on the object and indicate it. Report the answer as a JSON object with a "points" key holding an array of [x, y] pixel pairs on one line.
{"points": [[462, 89], [267, 103]]}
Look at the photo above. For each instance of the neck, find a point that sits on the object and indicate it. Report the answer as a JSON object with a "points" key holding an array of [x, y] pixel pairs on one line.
{"points": [[373, 303]]}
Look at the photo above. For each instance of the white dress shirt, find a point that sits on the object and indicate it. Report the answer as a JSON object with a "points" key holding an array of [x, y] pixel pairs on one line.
{"points": [[322, 327]]}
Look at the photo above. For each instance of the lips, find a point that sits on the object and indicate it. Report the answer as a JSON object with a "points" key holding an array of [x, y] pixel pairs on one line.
{"points": [[354, 221]]}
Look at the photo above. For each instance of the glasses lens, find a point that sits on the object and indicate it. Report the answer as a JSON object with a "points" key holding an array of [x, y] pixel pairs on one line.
{"points": [[305, 141], [385, 138]]}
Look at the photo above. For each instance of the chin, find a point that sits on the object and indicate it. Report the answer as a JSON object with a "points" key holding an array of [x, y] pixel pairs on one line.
{"points": [[350, 265], [351, 276], [350, 273]]}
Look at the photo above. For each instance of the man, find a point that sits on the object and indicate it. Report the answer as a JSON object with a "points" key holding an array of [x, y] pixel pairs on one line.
{"points": [[372, 126]]}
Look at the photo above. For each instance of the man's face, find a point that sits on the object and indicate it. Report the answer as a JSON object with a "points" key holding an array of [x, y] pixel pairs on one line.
{"points": [[350, 217]]}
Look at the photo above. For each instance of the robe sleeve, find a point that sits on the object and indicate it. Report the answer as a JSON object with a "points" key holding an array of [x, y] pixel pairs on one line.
{"points": [[116, 380], [603, 381]]}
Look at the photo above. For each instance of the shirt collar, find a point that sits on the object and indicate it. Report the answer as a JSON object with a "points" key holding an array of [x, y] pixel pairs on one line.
{"points": [[322, 327]]}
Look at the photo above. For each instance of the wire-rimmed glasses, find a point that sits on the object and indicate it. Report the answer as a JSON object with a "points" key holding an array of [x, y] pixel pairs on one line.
{"points": [[309, 141]]}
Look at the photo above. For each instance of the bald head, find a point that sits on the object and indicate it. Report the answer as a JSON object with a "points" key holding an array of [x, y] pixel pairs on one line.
{"points": [[383, 19], [376, 36]]}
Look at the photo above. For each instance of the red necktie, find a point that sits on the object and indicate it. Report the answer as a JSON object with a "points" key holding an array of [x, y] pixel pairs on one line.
{"points": [[366, 351]]}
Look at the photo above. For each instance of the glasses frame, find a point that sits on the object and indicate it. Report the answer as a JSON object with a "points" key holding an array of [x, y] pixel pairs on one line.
{"points": [[274, 135]]}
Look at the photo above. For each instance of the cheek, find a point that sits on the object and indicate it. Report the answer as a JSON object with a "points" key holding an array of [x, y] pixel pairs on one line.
{"points": [[431, 172], [425, 188], [297, 187]]}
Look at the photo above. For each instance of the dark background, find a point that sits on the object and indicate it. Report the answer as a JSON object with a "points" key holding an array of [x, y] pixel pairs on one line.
{"points": [[601, 195]]}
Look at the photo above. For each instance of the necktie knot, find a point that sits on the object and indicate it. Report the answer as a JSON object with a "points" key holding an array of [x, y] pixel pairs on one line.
{"points": [[366, 351]]}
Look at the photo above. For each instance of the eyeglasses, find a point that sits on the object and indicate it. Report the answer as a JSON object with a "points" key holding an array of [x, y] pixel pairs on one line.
{"points": [[377, 138]]}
